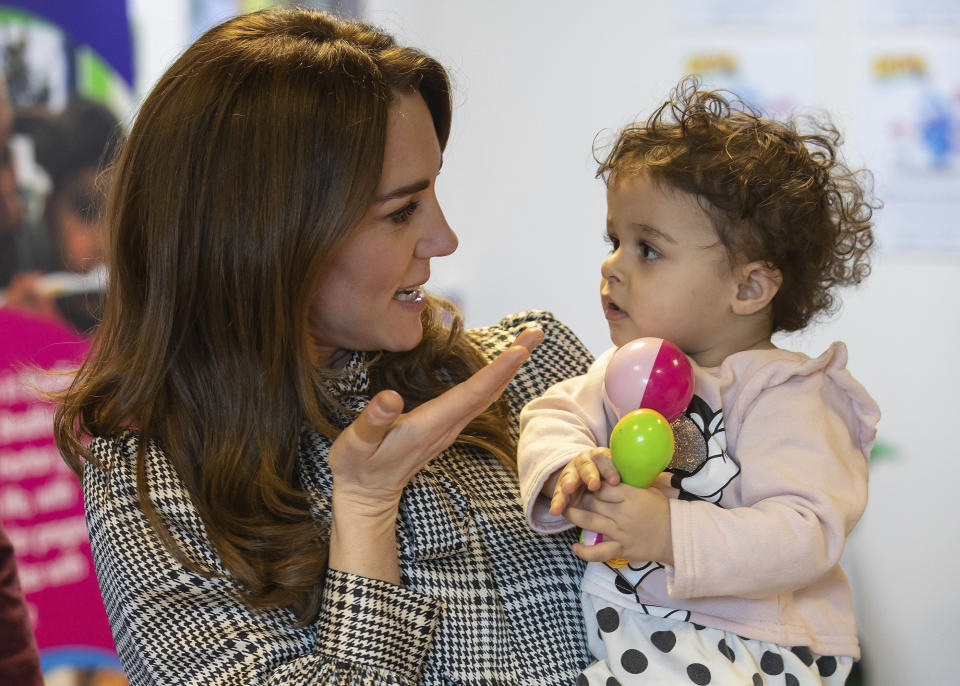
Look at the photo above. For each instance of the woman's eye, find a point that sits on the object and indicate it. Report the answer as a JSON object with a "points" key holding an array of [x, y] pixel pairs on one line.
{"points": [[612, 241], [403, 215]]}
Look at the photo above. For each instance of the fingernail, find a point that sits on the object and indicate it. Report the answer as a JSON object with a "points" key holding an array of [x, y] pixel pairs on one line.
{"points": [[388, 406], [531, 337]]}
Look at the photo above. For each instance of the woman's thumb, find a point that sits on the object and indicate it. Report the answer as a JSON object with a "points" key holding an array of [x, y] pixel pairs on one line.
{"points": [[377, 417]]}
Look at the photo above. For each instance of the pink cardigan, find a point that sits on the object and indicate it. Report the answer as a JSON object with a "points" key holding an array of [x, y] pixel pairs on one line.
{"points": [[780, 442]]}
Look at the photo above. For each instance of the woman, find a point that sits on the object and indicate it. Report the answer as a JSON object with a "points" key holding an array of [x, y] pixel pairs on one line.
{"points": [[286, 482]]}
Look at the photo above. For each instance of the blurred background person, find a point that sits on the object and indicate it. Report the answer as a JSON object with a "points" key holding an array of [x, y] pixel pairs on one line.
{"points": [[19, 658], [70, 147]]}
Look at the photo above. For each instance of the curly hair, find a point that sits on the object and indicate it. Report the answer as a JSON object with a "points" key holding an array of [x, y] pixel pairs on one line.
{"points": [[777, 192]]}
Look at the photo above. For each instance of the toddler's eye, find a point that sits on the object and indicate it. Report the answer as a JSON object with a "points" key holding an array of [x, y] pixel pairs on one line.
{"points": [[612, 241], [403, 215], [648, 252]]}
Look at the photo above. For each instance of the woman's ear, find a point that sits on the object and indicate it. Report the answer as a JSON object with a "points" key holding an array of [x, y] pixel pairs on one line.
{"points": [[758, 283]]}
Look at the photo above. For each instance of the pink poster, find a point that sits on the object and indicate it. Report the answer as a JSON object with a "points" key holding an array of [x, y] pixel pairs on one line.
{"points": [[41, 504]]}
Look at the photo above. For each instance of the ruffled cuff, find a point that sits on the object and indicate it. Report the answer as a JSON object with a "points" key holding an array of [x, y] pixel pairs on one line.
{"points": [[373, 622]]}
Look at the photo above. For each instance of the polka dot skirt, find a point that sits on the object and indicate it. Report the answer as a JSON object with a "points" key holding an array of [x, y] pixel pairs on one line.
{"points": [[644, 649]]}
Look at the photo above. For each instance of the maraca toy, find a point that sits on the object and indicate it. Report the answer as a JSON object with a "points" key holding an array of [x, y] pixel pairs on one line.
{"points": [[651, 373], [648, 384]]}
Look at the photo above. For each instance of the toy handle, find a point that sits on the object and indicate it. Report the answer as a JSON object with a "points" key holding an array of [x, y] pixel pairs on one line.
{"points": [[641, 445]]}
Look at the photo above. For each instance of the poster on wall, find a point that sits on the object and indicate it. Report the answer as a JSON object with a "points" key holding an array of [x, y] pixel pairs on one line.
{"points": [[41, 506], [768, 14], [899, 15], [913, 123], [34, 63], [776, 77], [66, 73]]}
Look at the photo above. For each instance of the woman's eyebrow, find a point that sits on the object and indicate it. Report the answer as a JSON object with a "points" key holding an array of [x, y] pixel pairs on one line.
{"points": [[408, 189]]}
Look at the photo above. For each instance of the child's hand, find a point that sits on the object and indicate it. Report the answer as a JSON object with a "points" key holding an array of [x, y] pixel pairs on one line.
{"points": [[588, 470], [635, 523]]}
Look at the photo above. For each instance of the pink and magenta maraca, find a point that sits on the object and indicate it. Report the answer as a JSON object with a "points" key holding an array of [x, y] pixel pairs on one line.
{"points": [[648, 384], [648, 373]]}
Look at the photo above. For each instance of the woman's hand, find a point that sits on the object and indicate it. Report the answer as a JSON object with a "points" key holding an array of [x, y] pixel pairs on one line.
{"points": [[635, 523], [377, 455]]}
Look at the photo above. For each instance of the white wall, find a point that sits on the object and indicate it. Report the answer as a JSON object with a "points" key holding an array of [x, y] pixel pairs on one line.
{"points": [[536, 81]]}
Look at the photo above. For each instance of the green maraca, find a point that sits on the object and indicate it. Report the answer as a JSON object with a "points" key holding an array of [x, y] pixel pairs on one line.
{"points": [[641, 445]]}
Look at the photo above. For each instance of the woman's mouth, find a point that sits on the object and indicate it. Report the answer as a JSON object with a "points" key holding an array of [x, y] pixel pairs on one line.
{"points": [[410, 295]]}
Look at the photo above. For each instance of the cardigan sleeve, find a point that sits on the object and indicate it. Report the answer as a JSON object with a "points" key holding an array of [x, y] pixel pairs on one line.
{"points": [[176, 627], [567, 419]]}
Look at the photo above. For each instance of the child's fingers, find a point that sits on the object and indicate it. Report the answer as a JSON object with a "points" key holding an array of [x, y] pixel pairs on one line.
{"points": [[601, 552], [569, 481], [586, 467], [586, 519], [588, 472], [559, 502], [607, 470]]}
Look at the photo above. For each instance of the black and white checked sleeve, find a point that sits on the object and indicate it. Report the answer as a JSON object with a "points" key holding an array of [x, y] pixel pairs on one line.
{"points": [[561, 355], [376, 623], [173, 627]]}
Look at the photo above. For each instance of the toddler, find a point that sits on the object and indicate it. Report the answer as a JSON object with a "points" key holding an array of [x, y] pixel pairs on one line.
{"points": [[725, 227]]}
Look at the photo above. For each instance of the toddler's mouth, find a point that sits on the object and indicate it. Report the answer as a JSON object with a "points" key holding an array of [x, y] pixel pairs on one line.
{"points": [[612, 311], [613, 307]]}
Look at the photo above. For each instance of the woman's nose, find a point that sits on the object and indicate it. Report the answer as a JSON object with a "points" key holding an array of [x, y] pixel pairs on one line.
{"points": [[439, 240]]}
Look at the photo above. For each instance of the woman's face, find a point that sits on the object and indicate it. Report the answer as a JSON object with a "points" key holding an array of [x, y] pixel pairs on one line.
{"points": [[369, 296]]}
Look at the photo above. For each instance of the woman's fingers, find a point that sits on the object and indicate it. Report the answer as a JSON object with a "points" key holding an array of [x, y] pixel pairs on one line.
{"points": [[383, 448], [363, 437], [529, 338], [506, 364], [463, 402]]}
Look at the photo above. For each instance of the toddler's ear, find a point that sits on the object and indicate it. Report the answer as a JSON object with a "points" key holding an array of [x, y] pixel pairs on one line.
{"points": [[759, 282]]}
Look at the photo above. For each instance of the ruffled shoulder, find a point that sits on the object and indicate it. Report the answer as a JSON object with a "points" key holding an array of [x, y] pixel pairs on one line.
{"points": [[765, 369]]}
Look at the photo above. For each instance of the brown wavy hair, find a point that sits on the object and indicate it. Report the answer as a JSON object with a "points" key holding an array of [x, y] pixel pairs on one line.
{"points": [[255, 154], [777, 192]]}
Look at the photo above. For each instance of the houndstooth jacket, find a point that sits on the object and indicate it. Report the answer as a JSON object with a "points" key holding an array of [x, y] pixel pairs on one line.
{"points": [[483, 599]]}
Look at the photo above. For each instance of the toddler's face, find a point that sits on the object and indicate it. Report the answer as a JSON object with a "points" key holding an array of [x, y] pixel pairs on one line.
{"points": [[667, 274]]}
